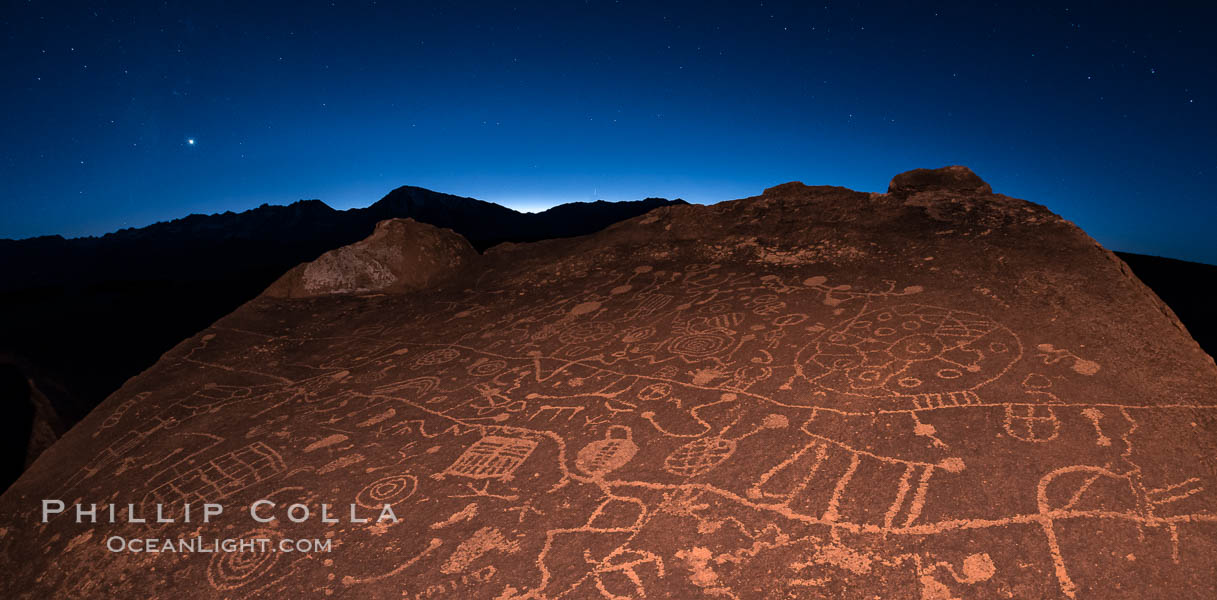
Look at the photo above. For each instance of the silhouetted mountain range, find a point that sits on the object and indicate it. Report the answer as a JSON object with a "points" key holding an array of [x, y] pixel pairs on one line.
{"points": [[200, 246], [81, 316]]}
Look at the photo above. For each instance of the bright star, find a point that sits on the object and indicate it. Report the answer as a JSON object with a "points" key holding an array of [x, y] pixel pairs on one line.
{"points": [[190, 141]]}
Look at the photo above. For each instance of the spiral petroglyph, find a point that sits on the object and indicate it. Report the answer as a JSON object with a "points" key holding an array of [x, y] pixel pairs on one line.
{"points": [[387, 490]]}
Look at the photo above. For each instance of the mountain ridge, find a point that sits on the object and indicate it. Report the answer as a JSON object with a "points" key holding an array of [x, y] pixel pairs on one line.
{"points": [[56, 260], [381, 205]]}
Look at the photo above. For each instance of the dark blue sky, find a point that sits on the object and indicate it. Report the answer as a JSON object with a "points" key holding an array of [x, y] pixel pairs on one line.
{"points": [[1104, 112]]}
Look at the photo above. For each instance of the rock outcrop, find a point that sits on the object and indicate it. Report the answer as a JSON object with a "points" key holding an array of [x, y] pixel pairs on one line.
{"points": [[954, 178], [937, 392], [400, 255]]}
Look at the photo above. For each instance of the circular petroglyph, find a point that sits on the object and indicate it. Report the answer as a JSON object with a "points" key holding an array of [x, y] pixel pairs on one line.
{"points": [[386, 490], [232, 570], [789, 319], [437, 357], [655, 391], [916, 347], [485, 368], [699, 456], [891, 351], [868, 377], [696, 345], [950, 373]]}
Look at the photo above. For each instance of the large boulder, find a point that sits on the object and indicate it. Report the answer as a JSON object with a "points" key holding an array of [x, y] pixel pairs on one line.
{"points": [[938, 392], [954, 178], [400, 255]]}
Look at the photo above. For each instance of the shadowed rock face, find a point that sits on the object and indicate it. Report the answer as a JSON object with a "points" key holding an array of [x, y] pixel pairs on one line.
{"points": [[15, 393], [31, 424], [931, 393]]}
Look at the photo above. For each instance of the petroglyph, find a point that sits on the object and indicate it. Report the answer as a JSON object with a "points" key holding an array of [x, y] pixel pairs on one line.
{"points": [[388, 490], [646, 418], [234, 570], [492, 457], [1052, 355], [1096, 417], [464, 514], [217, 478], [603, 456], [484, 540]]}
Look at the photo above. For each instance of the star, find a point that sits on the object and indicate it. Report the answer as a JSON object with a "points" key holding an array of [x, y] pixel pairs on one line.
{"points": [[190, 141]]}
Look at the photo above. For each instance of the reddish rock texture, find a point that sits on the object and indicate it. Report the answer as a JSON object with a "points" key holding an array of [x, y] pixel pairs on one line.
{"points": [[932, 393]]}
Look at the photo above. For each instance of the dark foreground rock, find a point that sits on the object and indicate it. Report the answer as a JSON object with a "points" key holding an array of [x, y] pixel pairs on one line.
{"points": [[814, 393]]}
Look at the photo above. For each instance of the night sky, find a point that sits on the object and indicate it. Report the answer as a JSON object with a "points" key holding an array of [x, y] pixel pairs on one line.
{"points": [[122, 114]]}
